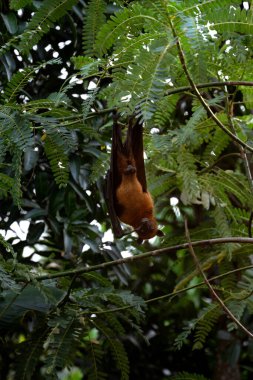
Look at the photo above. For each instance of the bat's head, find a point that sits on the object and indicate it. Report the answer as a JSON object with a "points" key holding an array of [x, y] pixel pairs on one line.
{"points": [[148, 229]]}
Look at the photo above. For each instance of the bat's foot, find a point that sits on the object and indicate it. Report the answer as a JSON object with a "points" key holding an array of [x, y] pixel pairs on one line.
{"points": [[130, 169]]}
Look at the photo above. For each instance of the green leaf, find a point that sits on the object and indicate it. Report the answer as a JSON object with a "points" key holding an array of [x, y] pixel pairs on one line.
{"points": [[13, 306], [34, 232], [18, 4], [10, 21], [93, 20], [31, 157]]}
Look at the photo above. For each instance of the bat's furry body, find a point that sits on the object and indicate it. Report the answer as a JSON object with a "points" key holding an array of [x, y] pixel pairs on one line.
{"points": [[127, 195], [134, 204]]}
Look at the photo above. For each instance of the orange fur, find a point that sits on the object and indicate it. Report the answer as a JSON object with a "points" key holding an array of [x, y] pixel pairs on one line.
{"points": [[136, 204]]}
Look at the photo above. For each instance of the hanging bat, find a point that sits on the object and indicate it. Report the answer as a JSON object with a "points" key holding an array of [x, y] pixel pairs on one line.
{"points": [[126, 192]]}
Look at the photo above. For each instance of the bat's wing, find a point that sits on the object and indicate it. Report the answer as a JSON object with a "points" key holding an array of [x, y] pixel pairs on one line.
{"points": [[110, 202], [135, 142], [113, 179]]}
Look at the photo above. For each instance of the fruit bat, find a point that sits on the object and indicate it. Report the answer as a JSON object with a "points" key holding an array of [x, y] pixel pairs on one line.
{"points": [[126, 193]]}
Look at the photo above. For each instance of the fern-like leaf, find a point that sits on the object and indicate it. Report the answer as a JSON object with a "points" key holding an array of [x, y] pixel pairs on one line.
{"points": [[20, 79], [164, 109], [64, 336], [16, 191], [237, 308], [188, 376], [187, 177], [16, 84], [15, 128], [91, 96], [18, 4], [117, 349], [216, 146], [130, 17], [29, 353], [205, 324], [93, 20], [49, 12], [58, 161], [86, 65], [183, 336], [6, 184], [95, 356], [100, 166], [233, 21], [221, 221], [155, 83]]}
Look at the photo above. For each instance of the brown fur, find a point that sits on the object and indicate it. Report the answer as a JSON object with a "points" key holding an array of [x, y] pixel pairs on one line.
{"points": [[136, 205]]}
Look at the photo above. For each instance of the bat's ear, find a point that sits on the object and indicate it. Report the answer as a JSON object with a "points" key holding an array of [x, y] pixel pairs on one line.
{"points": [[159, 233]]}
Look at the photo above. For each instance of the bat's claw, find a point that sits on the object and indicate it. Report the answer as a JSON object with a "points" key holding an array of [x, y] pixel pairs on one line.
{"points": [[130, 169]]}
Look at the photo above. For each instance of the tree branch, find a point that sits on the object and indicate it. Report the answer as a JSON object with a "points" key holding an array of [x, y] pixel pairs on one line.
{"points": [[157, 252], [212, 291], [209, 84]]}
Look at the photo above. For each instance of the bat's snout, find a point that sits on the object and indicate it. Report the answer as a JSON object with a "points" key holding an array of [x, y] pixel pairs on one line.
{"points": [[147, 228]]}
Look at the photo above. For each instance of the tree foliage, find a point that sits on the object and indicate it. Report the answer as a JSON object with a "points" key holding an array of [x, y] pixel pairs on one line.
{"points": [[184, 68]]}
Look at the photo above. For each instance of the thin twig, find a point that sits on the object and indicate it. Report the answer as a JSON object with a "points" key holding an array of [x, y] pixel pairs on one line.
{"points": [[208, 168], [212, 291], [200, 97], [208, 85], [67, 295], [157, 252]]}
